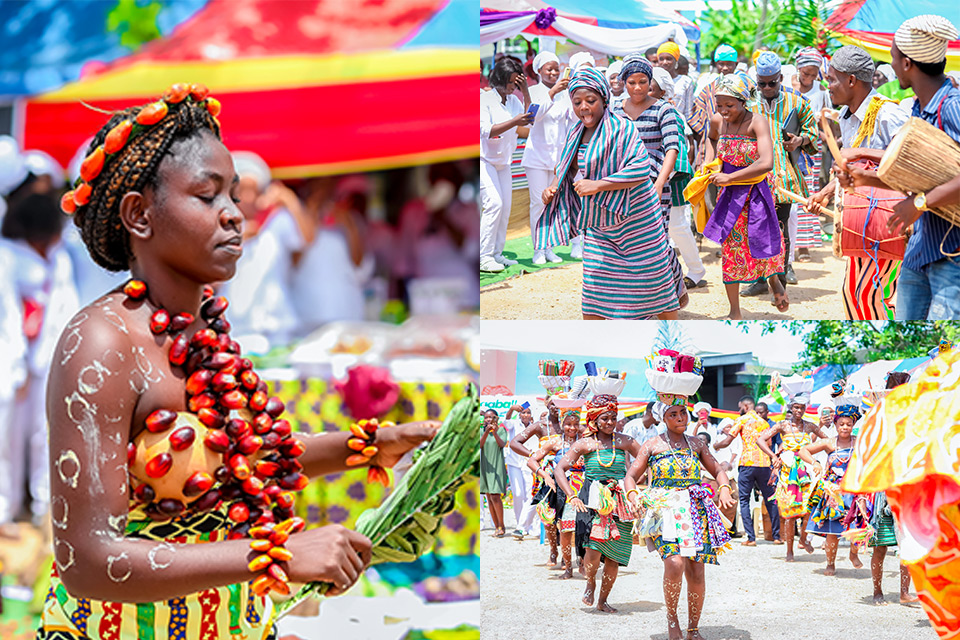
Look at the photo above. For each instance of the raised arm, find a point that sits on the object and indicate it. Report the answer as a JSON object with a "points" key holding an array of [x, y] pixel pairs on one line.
{"points": [[516, 445], [764, 440], [639, 466], [807, 452], [533, 463], [710, 464]]}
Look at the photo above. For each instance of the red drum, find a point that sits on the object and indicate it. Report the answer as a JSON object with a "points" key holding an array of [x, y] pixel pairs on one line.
{"points": [[863, 224]]}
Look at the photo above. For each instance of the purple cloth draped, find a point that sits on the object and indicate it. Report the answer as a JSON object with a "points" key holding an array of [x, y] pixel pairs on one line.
{"points": [[491, 17], [545, 17], [763, 231]]}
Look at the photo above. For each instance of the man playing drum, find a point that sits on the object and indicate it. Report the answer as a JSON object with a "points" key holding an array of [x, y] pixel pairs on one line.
{"points": [[867, 121], [929, 285]]}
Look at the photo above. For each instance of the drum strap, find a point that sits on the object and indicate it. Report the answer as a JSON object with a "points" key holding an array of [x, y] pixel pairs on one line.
{"points": [[869, 120], [940, 126]]}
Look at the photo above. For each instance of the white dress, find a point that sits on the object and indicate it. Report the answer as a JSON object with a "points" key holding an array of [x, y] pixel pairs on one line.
{"points": [[496, 193]]}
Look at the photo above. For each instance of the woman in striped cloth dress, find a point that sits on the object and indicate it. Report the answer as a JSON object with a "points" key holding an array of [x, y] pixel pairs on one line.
{"points": [[603, 187], [604, 455]]}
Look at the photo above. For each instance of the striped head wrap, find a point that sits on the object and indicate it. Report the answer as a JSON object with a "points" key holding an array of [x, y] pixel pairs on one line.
{"points": [[925, 38], [590, 78], [669, 47], [733, 85], [635, 63], [599, 405], [809, 57], [725, 53], [575, 413], [855, 61]]}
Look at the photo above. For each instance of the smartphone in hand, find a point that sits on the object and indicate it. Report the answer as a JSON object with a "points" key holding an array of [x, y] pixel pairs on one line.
{"points": [[566, 73], [534, 108]]}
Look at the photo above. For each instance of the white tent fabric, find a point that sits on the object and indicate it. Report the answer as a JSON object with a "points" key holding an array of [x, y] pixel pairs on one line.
{"points": [[616, 42]]}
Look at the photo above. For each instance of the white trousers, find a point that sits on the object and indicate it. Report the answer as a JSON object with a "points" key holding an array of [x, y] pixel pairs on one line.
{"points": [[521, 482], [495, 199], [24, 457], [793, 233], [682, 237], [537, 182]]}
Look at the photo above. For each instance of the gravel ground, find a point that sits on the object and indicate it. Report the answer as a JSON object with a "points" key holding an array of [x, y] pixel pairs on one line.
{"points": [[752, 595], [554, 294]]}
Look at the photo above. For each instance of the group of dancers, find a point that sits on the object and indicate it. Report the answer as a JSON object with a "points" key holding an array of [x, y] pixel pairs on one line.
{"points": [[619, 158], [599, 491]]}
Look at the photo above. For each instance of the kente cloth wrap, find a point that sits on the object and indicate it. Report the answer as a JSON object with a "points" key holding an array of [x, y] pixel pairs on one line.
{"points": [[605, 524], [218, 612], [854, 61], [884, 526], [590, 78], [828, 503], [795, 483], [686, 522], [568, 514], [924, 38], [635, 63], [809, 57], [907, 448], [752, 201], [617, 549], [599, 405], [733, 85], [848, 411]]}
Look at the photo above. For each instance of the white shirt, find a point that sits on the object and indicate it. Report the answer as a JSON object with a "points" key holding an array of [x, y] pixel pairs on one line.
{"points": [[498, 151], [683, 88], [13, 344], [889, 120], [261, 302], [49, 282], [514, 428], [327, 286], [549, 131]]}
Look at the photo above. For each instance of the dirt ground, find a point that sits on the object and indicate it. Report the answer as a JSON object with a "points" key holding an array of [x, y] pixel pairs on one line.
{"points": [[554, 294], [752, 595]]}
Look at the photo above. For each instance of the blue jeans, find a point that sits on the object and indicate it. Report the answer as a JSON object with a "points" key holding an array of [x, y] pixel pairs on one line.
{"points": [[759, 477], [931, 294]]}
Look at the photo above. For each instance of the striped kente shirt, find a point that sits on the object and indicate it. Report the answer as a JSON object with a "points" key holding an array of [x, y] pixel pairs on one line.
{"points": [[943, 112], [785, 174]]}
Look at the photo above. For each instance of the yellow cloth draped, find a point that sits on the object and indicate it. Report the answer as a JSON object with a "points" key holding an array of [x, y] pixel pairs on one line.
{"points": [[908, 447], [696, 191]]}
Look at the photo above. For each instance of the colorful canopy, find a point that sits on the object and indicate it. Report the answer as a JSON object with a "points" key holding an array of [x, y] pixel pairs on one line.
{"points": [[314, 86], [871, 23], [614, 27]]}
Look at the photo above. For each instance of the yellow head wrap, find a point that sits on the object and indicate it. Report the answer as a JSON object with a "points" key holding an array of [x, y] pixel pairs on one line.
{"points": [[671, 48]]}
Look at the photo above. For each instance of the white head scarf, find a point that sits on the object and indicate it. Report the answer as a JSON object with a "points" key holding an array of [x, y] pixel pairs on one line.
{"points": [[887, 72], [614, 69], [543, 58], [581, 58], [664, 81], [247, 163], [41, 163], [13, 170]]}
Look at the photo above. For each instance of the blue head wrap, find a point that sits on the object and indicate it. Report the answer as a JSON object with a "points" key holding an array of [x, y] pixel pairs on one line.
{"points": [[848, 411], [635, 63], [590, 78], [725, 53], [768, 64]]}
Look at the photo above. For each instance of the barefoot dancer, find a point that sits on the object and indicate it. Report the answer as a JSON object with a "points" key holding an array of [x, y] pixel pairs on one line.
{"points": [[675, 462], [565, 521], [828, 514], [542, 429], [493, 468], [605, 465], [795, 481], [150, 529], [744, 220]]}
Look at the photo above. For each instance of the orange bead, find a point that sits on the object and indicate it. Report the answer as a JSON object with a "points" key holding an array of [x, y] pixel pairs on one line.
{"points": [[358, 431], [92, 164], [117, 137], [260, 563], [280, 553], [67, 203], [261, 584], [81, 195], [277, 573], [152, 113], [262, 533], [279, 538], [357, 444], [198, 91], [356, 459], [280, 587], [176, 93], [213, 107], [263, 546], [370, 451]]}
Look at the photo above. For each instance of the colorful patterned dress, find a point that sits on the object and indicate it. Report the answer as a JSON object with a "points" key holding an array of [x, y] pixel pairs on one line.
{"points": [[885, 528], [794, 484], [232, 611], [745, 220], [680, 470], [611, 535], [828, 514], [568, 514]]}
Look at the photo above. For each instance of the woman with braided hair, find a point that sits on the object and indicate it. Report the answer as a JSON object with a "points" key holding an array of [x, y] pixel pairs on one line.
{"points": [[604, 461], [172, 472]]}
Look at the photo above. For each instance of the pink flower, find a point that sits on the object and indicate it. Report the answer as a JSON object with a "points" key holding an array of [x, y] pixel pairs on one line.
{"points": [[368, 392]]}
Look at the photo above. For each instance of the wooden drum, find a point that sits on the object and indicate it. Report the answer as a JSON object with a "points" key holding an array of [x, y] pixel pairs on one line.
{"points": [[862, 224], [919, 158]]}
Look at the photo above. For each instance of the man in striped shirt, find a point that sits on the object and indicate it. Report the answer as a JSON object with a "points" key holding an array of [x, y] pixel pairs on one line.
{"points": [[929, 283], [777, 105]]}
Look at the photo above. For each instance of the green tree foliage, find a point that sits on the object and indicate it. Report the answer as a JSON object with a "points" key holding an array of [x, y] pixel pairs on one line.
{"points": [[842, 342], [136, 22], [789, 26]]}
